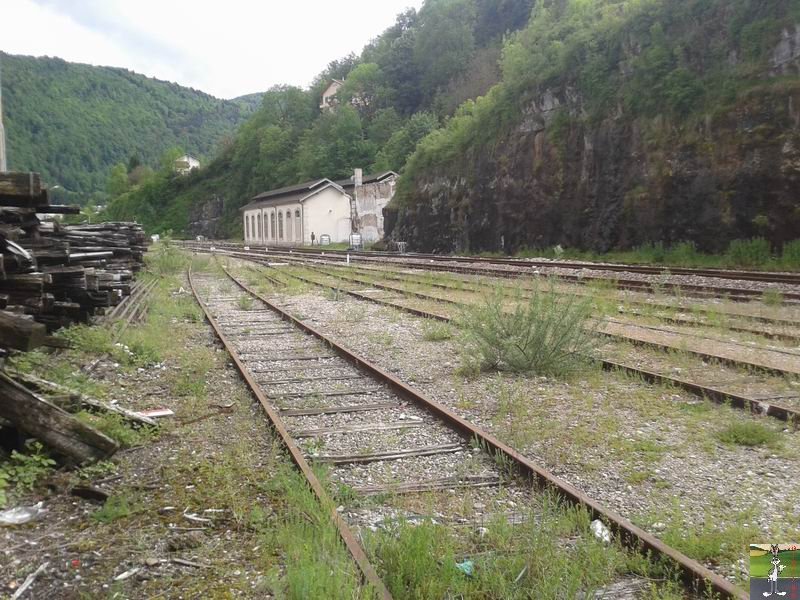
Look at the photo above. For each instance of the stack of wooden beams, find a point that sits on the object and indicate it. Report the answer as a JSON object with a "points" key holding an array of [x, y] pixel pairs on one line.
{"points": [[53, 275]]}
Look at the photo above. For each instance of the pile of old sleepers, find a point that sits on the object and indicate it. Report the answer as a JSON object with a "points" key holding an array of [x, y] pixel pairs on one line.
{"points": [[52, 274]]}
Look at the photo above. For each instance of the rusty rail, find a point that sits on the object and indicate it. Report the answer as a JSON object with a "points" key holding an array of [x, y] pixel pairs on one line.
{"points": [[349, 539], [694, 575], [755, 406]]}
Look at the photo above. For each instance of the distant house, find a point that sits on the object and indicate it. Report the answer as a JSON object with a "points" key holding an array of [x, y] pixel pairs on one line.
{"points": [[186, 163], [329, 95], [288, 216]]}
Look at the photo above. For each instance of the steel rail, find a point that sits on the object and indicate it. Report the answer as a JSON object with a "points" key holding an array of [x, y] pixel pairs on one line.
{"points": [[694, 575], [237, 251], [474, 286], [349, 539], [766, 277], [772, 370], [755, 406]]}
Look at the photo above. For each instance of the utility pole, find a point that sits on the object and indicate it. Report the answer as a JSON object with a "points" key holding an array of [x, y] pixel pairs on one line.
{"points": [[3, 165]]}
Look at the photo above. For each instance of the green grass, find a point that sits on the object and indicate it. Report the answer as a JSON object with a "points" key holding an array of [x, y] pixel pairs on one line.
{"points": [[436, 331], [117, 428], [420, 561], [115, 508], [245, 303], [752, 253], [760, 566], [748, 433]]}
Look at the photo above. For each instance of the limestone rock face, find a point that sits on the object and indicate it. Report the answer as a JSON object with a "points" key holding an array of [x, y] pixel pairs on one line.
{"points": [[622, 179]]}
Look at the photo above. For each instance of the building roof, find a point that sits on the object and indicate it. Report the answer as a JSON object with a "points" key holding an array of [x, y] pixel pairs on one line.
{"points": [[291, 193], [372, 178], [300, 191]]}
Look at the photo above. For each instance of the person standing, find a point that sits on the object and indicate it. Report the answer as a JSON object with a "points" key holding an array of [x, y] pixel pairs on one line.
{"points": [[312, 238]]}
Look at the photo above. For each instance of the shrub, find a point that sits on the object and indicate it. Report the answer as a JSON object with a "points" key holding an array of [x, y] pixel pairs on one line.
{"points": [[747, 433], [791, 254], [24, 469], [544, 334], [749, 253], [684, 253]]}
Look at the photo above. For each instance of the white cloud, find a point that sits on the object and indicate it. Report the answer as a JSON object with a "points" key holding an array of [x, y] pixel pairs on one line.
{"points": [[226, 49]]}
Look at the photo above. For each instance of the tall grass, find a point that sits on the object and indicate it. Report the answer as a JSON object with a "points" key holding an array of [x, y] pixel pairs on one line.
{"points": [[749, 253], [543, 334]]}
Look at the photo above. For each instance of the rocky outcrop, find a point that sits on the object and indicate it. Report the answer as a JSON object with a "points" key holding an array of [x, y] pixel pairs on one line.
{"points": [[206, 218], [557, 177]]}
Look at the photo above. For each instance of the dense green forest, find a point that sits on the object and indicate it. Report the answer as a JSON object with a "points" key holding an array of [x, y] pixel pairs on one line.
{"points": [[72, 122], [403, 85], [527, 123]]}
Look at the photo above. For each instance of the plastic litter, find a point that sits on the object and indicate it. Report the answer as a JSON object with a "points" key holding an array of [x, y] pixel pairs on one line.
{"points": [[600, 531], [467, 567], [21, 514]]}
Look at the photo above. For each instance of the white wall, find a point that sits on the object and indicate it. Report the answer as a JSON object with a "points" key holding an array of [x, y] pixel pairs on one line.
{"points": [[327, 213]]}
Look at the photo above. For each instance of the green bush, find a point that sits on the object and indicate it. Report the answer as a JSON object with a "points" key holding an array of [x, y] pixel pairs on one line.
{"points": [[544, 334], [749, 253], [791, 254], [747, 433]]}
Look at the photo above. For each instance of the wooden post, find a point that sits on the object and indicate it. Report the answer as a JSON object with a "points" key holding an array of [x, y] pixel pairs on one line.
{"points": [[52, 426]]}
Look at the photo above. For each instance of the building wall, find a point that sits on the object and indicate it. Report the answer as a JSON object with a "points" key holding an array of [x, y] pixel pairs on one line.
{"points": [[327, 213], [370, 200]]}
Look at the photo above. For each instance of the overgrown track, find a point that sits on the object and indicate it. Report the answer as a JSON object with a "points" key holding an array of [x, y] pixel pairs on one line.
{"points": [[258, 338], [755, 405], [520, 267]]}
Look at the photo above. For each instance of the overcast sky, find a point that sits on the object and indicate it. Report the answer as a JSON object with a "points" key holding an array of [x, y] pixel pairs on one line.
{"points": [[226, 48]]}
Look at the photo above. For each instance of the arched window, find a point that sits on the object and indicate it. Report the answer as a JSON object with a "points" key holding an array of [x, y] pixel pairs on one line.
{"points": [[280, 225], [260, 227], [272, 225], [289, 225], [298, 232], [246, 227]]}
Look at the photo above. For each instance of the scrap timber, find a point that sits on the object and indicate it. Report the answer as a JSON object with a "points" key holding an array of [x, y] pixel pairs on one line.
{"points": [[51, 276]]}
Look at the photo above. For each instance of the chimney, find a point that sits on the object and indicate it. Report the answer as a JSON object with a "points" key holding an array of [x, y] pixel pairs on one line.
{"points": [[358, 177]]}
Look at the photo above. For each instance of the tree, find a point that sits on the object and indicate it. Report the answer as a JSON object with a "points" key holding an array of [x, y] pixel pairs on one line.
{"points": [[397, 149], [335, 145], [117, 183], [445, 41], [366, 89]]}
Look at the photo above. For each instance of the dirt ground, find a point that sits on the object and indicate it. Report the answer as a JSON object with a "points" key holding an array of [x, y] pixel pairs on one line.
{"points": [[184, 518]]}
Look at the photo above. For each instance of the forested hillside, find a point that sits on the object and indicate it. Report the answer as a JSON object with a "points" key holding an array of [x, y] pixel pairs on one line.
{"points": [[596, 124], [72, 122], [407, 82]]}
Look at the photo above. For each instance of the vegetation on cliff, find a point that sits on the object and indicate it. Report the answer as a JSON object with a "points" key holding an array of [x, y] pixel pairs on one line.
{"points": [[619, 122]]}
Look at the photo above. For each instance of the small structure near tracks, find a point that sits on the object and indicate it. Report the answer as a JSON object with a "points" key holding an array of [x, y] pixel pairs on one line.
{"points": [[51, 276]]}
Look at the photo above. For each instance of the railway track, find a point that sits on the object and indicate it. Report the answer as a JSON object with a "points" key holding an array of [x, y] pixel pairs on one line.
{"points": [[513, 268], [773, 361], [463, 284], [770, 406], [292, 369]]}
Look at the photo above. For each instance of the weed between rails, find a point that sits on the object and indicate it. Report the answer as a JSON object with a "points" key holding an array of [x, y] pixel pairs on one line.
{"points": [[551, 553], [542, 334]]}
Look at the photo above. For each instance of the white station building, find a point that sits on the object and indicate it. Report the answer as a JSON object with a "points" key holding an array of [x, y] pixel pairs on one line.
{"points": [[289, 216]]}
